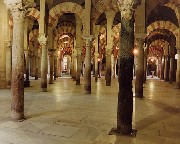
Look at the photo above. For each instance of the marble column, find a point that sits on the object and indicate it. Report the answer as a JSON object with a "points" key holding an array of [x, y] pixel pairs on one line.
{"points": [[27, 82], [44, 62], [171, 70], [87, 73], [139, 69], [162, 68], [43, 43], [17, 84], [166, 76], [8, 63], [96, 66], [110, 17], [26, 37], [96, 54], [113, 66], [126, 61], [55, 66], [78, 73], [36, 65], [59, 64], [88, 39], [68, 64], [33, 64], [73, 64], [145, 65], [51, 63], [177, 85], [79, 45]]}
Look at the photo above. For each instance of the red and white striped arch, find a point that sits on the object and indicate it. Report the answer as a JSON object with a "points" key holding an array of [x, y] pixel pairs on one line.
{"points": [[34, 13], [62, 8], [156, 48], [163, 25], [34, 34], [174, 7], [66, 28]]}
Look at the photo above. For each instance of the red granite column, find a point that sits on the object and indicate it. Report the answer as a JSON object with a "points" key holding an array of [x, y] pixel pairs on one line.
{"points": [[17, 85]]}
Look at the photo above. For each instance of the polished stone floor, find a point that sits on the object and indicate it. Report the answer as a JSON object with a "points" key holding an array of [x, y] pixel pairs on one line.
{"points": [[65, 115]]}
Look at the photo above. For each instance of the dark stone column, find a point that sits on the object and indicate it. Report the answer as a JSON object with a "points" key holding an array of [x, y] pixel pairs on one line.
{"points": [[171, 70], [139, 69], [27, 82], [108, 67], [55, 68], [145, 65], [78, 73], [126, 61], [51, 63], [36, 66], [166, 68], [162, 68], [177, 84], [87, 73]]}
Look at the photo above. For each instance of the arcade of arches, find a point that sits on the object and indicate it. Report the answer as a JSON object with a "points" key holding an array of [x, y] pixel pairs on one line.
{"points": [[90, 41]]}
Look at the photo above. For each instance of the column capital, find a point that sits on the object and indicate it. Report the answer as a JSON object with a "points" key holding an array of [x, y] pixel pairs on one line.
{"points": [[18, 5], [88, 37], [126, 8], [42, 39], [18, 8]]}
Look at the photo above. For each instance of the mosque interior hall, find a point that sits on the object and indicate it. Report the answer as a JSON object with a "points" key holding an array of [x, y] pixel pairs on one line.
{"points": [[89, 71]]}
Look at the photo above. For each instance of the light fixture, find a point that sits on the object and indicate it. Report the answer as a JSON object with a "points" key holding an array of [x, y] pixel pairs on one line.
{"points": [[176, 56], [135, 51]]}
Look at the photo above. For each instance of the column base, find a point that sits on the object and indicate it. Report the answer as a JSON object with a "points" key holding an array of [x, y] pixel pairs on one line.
{"points": [[177, 85], [87, 89], [124, 129], [74, 78], [108, 84], [78, 82], [139, 96], [26, 83], [114, 131], [17, 115], [170, 82], [44, 89]]}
